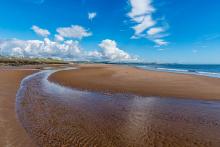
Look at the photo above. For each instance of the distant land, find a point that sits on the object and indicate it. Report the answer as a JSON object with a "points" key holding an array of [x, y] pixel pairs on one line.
{"points": [[16, 61]]}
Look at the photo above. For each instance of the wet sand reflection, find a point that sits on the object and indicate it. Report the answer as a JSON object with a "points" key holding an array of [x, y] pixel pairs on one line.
{"points": [[57, 116]]}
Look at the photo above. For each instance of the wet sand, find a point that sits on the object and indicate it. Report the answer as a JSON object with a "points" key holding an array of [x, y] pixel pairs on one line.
{"points": [[57, 116], [123, 79], [12, 133]]}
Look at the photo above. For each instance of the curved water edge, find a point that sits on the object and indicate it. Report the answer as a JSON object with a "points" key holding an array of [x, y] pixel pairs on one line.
{"points": [[54, 115]]}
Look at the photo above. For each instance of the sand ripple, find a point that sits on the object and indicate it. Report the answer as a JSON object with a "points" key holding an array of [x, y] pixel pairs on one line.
{"points": [[57, 116]]}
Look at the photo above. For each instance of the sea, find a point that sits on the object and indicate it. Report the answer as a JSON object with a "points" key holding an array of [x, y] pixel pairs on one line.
{"points": [[210, 70]]}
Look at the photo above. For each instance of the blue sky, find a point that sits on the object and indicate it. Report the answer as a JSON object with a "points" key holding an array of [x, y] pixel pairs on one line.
{"points": [[183, 31]]}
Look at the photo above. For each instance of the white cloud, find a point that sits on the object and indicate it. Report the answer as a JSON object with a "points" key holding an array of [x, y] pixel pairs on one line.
{"points": [[59, 38], [75, 31], [146, 23], [110, 51], [91, 15], [63, 49], [140, 8], [141, 13], [154, 31], [40, 31], [36, 48], [67, 50], [160, 42]]}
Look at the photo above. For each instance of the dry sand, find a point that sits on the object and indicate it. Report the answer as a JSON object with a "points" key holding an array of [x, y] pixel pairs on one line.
{"points": [[123, 79], [12, 133]]}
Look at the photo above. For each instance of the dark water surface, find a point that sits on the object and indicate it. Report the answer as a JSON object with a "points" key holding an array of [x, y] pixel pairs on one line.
{"points": [[210, 70], [57, 116]]}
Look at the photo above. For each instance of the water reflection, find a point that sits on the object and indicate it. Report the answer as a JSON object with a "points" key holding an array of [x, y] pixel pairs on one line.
{"points": [[57, 116]]}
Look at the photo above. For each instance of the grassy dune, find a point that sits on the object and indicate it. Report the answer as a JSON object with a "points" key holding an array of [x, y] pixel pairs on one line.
{"points": [[14, 61]]}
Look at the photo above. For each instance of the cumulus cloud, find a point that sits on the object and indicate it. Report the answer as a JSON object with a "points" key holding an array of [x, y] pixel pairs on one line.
{"points": [[39, 31], [74, 31], [141, 14], [44, 49], [63, 49], [67, 50], [110, 51], [91, 15]]}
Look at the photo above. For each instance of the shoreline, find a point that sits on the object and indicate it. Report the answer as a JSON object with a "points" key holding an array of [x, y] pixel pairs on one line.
{"points": [[204, 74], [138, 81], [179, 70]]}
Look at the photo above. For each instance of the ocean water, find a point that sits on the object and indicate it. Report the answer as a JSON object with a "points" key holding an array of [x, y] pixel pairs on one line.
{"points": [[209, 70]]}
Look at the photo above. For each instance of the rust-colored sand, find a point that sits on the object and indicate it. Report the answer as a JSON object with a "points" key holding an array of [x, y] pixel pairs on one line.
{"points": [[12, 134], [55, 116], [123, 79]]}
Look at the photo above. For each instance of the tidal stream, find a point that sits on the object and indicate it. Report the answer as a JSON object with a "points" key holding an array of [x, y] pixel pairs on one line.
{"points": [[59, 116]]}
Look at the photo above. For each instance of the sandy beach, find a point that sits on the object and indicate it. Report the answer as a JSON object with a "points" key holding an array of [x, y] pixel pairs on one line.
{"points": [[107, 115], [109, 73], [124, 79], [54, 115], [12, 133]]}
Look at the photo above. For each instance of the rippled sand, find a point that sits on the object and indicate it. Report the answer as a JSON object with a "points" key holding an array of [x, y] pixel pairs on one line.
{"points": [[56, 116]]}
